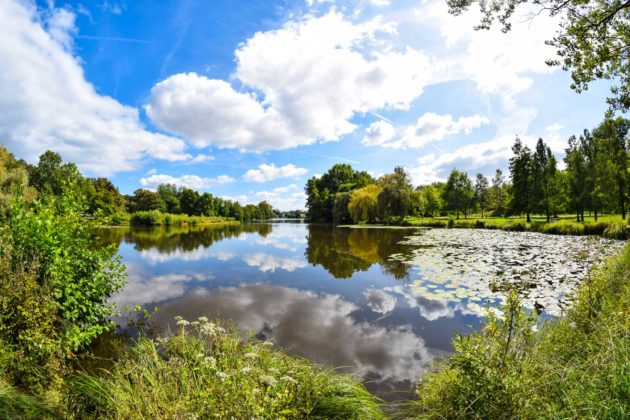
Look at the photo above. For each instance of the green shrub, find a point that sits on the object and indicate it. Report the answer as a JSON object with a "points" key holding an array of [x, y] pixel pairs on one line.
{"points": [[55, 288], [147, 218], [515, 226], [617, 230], [118, 219], [451, 222], [206, 371], [595, 228], [563, 227]]}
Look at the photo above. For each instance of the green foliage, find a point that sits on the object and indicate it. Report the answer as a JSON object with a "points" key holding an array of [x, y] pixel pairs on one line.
{"points": [[617, 230], [363, 204], [205, 370], [458, 193], [563, 227], [576, 366], [157, 218], [591, 41]]}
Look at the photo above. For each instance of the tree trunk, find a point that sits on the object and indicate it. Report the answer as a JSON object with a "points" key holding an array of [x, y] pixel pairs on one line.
{"points": [[457, 214], [596, 215], [529, 219]]}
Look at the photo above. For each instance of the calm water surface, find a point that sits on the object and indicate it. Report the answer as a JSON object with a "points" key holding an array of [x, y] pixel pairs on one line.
{"points": [[380, 303]]}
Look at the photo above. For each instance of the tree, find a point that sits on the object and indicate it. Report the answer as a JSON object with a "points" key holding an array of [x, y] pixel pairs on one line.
{"points": [[481, 192], [145, 200], [105, 198], [575, 161], [433, 198], [592, 40], [189, 202], [520, 171], [340, 208], [169, 195], [498, 194], [542, 179], [613, 133], [321, 191], [396, 198], [265, 210], [458, 193], [363, 204]]}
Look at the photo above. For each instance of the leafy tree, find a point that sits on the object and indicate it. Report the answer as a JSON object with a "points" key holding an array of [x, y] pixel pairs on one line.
{"points": [[189, 202], [169, 195], [592, 39], [458, 193], [543, 179], [481, 192], [577, 175], [363, 204], [145, 200], [498, 193], [265, 210], [340, 208], [520, 171], [396, 198], [613, 133], [321, 191], [433, 198], [105, 198]]}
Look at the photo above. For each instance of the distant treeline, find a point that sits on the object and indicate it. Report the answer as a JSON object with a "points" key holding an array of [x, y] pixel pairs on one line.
{"points": [[596, 179], [51, 177]]}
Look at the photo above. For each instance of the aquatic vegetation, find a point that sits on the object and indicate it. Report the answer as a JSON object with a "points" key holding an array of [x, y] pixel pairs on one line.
{"points": [[456, 265], [576, 366]]}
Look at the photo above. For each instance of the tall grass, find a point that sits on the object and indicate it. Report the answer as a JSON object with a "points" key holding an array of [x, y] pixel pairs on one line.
{"points": [[577, 366], [205, 371]]}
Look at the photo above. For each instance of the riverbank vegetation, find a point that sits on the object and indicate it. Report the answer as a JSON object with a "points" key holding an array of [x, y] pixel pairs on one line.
{"points": [[576, 366], [596, 182], [55, 287]]}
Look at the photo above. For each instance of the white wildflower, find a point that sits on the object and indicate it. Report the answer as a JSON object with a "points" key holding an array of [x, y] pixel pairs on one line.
{"points": [[268, 380], [288, 379]]}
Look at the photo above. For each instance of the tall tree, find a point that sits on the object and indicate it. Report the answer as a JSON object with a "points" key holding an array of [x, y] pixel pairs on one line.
{"points": [[614, 135], [498, 193], [396, 198], [520, 172], [458, 193], [481, 192], [543, 179], [577, 175]]}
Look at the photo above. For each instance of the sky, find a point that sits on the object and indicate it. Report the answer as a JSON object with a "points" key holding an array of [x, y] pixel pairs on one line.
{"points": [[249, 99]]}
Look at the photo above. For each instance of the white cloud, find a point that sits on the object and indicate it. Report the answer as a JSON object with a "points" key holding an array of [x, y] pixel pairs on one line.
{"points": [[266, 173], [188, 181], [306, 80], [378, 133], [201, 158], [430, 127], [379, 301], [46, 103]]}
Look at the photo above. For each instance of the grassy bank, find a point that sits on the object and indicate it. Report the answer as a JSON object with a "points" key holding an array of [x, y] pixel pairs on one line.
{"points": [[202, 371], [577, 366], [156, 218], [611, 226]]}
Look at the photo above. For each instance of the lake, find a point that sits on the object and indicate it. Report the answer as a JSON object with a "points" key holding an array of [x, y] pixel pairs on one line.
{"points": [[381, 303]]}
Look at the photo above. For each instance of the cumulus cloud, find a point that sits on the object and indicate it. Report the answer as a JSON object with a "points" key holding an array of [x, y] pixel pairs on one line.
{"points": [[380, 301], [286, 103], [46, 102], [430, 127], [378, 133], [189, 181], [266, 172]]}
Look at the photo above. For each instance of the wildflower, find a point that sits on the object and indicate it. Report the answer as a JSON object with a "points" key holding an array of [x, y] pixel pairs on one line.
{"points": [[210, 361], [195, 324], [268, 380], [267, 343], [288, 379], [182, 323], [246, 370], [178, 318], [203, 319], [251, 356], [200, 355], [222, 375], [274, 371]]}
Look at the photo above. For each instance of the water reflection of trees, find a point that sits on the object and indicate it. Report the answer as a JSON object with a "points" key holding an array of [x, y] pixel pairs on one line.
{"points": [[344, 251], [171, 239]]}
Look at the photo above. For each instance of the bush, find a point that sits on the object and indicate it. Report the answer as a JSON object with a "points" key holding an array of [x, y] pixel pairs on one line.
{"points": [[617, 230], [147, 218], [118, 219], [451, 222], [515, 226], [206, 371], [55, 288], [563, 227], [595, 228]]}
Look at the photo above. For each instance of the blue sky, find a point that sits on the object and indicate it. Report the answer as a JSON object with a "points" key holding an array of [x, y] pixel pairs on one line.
{"points": [[248, 99]]}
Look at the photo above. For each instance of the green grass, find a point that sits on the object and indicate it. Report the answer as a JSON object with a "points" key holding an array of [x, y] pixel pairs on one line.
{"points": [[206, 371], [157, 218], [577, 366], [610, 226]]}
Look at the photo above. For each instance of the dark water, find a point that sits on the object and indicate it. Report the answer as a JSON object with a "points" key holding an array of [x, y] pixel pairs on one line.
{"points": [[380, 303], [329, 294]]}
